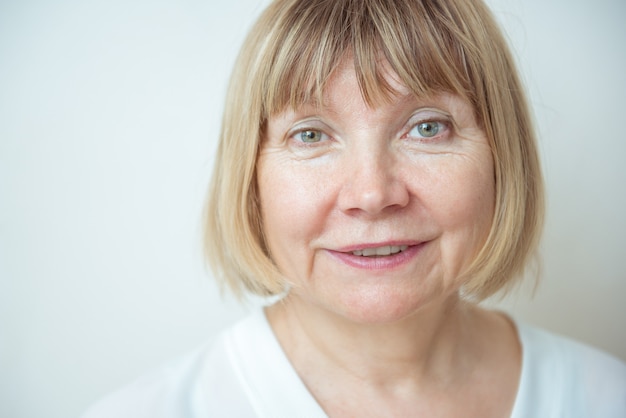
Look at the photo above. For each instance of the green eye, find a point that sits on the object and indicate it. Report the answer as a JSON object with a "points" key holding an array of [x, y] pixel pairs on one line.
{"points": [[310, 136], [428, 129]]}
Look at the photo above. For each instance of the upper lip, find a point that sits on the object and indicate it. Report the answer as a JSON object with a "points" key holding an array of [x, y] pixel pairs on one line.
{"points": [[395, 243]]}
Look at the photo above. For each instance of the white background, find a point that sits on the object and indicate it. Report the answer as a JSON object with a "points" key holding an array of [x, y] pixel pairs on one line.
{"points": [[109, 113]]}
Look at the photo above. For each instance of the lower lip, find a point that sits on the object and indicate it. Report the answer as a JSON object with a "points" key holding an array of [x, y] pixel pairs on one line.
{"points": [[389, 262]]}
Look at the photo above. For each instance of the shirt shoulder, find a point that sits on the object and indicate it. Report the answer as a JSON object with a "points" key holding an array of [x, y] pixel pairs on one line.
{"points": [[563, 377], [164, 392], [199, 384]]}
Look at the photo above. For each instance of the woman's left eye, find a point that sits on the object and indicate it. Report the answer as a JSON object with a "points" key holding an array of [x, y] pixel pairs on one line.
{"points": [[427, 129]]}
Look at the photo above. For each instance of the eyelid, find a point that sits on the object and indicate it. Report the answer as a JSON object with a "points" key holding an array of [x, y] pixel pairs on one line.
{"points": [[430, 114]]}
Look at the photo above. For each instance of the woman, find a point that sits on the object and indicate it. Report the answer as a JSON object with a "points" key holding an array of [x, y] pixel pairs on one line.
{"points": [[377, 171]]}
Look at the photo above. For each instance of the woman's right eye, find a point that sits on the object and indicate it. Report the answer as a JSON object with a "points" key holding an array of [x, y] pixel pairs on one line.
{"points": [[310, 136]]}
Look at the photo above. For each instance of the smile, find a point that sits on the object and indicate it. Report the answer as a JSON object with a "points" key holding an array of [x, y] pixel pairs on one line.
{"points": [[379, 257], [380, 251]]}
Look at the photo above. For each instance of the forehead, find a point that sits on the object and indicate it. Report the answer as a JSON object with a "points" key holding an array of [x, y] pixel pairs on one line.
{"points": [[386, 79], [345, 86]]}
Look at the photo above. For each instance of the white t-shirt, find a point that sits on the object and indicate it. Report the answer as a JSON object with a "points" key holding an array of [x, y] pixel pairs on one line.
{"points": [[245, 373]]}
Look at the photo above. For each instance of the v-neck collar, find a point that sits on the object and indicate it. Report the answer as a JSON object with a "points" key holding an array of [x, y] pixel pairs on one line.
{"points": [[271, 384]]}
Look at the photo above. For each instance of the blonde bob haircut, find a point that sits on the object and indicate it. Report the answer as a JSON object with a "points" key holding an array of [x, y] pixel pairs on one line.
{"points": [[433, 46]]}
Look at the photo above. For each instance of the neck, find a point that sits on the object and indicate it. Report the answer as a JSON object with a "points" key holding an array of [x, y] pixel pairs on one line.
{"points": [[431, 343]]}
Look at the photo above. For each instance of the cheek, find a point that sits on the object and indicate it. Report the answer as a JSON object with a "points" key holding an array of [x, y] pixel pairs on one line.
{"points": [[287, 194], [470, 200], [466, 202], [293, 207]]}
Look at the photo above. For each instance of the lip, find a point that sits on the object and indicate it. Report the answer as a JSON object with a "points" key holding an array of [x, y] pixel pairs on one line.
{"points": [[390, 262]]}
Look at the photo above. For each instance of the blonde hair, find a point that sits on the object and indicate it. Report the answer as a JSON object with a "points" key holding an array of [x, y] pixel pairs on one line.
{"points": [[433, 46]]}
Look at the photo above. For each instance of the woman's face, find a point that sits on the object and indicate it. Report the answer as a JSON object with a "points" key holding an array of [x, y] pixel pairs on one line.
{"points": [[373, 212]]}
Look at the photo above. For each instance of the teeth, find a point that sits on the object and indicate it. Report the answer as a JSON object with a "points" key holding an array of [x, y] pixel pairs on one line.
{"points": [[380, 251]]}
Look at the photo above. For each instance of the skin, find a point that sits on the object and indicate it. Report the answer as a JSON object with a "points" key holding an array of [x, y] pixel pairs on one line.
{"points": [[388, 335]]}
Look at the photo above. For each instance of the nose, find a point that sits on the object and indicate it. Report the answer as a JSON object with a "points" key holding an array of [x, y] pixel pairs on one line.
{"points": [[372, 184]]}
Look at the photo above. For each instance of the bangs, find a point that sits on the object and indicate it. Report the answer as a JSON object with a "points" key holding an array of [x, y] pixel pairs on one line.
{"points": [[419, 41]]}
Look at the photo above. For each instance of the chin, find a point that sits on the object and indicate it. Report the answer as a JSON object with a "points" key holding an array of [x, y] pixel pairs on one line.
{"points": [[386, 307]]}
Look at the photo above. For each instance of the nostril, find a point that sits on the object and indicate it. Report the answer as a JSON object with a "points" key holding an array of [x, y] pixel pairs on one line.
{"points": [[372, 196]]}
